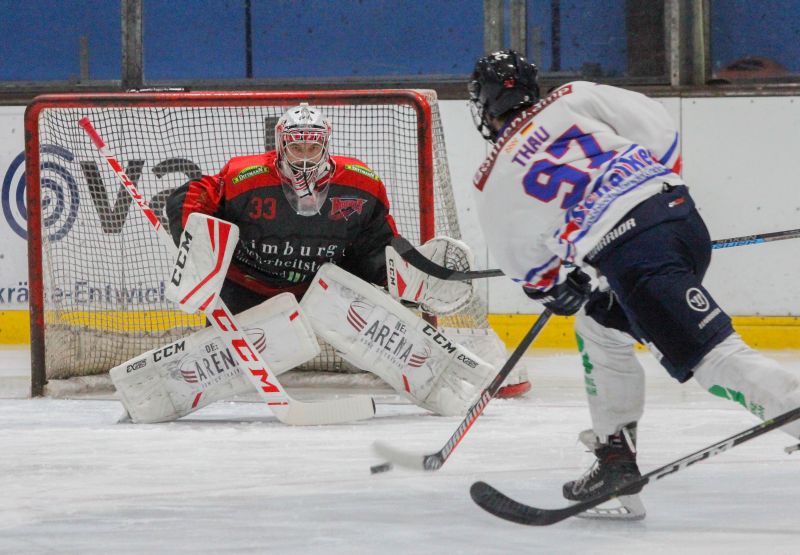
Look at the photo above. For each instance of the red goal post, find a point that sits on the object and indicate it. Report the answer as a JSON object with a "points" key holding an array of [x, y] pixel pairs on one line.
{"points": [[96, 271]]}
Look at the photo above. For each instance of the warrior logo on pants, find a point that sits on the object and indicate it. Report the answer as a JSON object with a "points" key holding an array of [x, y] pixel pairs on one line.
{"points": [[697, 300]]}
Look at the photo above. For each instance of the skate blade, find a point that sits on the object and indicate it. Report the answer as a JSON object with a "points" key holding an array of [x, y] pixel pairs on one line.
{"points": [[625, 507]]}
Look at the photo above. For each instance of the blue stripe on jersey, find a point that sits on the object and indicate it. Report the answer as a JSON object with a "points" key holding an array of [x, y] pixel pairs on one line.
{"points": [[670, 151], [535, 271]]}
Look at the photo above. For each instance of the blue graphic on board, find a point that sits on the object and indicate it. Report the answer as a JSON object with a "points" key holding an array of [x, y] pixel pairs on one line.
{"points": [[59, 195]]}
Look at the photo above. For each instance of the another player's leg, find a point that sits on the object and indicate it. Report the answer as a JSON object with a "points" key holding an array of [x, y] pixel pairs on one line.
{"points": [[691, 334], [734, 371]]}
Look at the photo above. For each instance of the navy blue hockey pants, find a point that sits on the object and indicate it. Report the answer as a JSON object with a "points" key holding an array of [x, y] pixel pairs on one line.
{"points": [[655, 272]]}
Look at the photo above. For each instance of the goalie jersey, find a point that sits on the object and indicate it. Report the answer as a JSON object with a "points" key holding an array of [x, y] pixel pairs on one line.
{"points": [[566, 170], [278, 249]]}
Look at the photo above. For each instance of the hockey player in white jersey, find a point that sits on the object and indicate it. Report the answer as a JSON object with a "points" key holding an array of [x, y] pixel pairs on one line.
{"points": [[587, 179]]}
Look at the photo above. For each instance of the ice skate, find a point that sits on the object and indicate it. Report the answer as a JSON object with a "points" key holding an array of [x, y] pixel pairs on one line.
{"points": [[615, 465]]}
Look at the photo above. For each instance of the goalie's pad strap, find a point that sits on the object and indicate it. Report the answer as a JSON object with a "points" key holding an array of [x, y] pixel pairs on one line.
{"points": [[185, 375], [377, 334]]}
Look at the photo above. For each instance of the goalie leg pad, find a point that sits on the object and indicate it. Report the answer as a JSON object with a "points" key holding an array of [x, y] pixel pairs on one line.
{"points": [[377, 334], [175, 380], [492, 349]]}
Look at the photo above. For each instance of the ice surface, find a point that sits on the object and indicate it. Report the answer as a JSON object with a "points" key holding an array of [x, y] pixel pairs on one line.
{"points": [[231, 478]]}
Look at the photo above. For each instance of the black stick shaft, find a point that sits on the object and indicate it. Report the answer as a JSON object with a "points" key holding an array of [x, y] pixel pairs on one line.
{"points": [[504, 507], [411, 255], [438, 459], [755, 239]]}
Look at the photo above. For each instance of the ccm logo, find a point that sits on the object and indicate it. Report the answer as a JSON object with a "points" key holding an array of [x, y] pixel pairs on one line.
{"points": [[169, 350], [391, 272], [183, 255], [243, 351]]}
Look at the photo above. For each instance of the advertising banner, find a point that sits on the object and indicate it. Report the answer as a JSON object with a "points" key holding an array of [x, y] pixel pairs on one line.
{"points": [[13, 223]]}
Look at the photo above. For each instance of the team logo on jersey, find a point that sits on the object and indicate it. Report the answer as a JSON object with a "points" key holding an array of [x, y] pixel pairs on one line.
{"points": [[248, 172], [363, 171], [344, 207], [697, 300]]}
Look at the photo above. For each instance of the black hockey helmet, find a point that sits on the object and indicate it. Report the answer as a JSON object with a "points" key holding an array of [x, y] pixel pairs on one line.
{"points": [[502, 82]]}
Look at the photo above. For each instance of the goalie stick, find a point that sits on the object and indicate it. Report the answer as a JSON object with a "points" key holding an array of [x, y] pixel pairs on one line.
{"points": [[410, 254], [434, 461], [285, 408], [502, 506]]}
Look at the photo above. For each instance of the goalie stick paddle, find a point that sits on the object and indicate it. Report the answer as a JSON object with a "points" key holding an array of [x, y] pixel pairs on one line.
{"points": [[500, 505], [434, 461], [287, 409], [410, 254]]}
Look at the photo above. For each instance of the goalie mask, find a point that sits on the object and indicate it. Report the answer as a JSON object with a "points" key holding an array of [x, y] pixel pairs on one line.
{"points": [[302, 139], [502, 82]]}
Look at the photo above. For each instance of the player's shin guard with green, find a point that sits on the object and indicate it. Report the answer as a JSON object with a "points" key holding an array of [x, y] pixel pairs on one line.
{"points": [[735, 371]]}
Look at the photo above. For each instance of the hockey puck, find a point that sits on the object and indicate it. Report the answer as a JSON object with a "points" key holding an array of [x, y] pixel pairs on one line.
{"points": [[378, 468]]}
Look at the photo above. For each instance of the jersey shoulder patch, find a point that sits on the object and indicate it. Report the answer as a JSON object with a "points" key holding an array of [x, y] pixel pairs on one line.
{"points": [[352, 172], [356, 166], [244, 173]]}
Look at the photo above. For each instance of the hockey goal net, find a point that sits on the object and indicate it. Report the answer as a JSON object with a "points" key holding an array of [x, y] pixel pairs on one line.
{"points": [[97, 269]]}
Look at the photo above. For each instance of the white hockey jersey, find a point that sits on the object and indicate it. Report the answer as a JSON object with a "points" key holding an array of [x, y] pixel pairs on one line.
{"points": [[565, 171]]}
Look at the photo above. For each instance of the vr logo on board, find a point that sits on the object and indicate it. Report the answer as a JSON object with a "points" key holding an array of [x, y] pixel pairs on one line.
{"points": [[58, 194], [60, 198]]}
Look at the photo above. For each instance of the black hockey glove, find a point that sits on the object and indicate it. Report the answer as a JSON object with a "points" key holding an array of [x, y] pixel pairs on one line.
{"points": [[566, 298]]}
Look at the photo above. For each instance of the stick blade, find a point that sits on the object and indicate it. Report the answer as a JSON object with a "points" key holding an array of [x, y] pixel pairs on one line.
{"points": [[413, 461], [330, 411], [500, 505]]}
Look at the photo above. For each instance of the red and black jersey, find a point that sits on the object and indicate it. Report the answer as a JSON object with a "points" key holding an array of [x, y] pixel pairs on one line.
{"points": [[278, 249]]}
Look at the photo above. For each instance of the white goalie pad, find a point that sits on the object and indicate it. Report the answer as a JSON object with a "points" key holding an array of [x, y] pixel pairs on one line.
{"points": [[204, 254], [491, 348], [377, 334], [437, 296], [172, 381]]}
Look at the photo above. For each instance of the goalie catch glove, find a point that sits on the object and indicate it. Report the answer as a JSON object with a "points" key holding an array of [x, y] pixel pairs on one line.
{"points": [[567, 297], [410, 285]]}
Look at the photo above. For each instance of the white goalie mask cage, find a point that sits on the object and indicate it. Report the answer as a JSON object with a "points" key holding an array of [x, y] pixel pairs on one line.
{"points": [[302, 141]]}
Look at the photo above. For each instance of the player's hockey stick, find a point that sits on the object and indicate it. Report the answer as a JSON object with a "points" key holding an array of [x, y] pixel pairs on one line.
{"points": [[755, 239], [500, 505], [410, 254], [434, 461], [285, 408]]}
